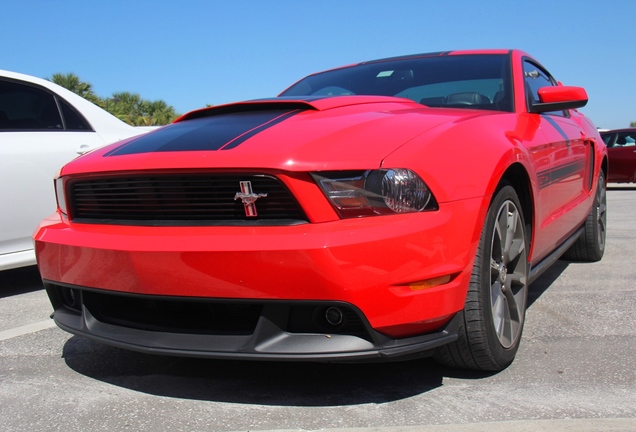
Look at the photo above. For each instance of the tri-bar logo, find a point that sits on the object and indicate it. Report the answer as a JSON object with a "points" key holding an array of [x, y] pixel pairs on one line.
{"points": [[248, 197]]}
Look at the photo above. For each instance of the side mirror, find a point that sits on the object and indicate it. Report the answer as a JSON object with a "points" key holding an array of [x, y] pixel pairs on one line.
{"points": [[559, 98]]}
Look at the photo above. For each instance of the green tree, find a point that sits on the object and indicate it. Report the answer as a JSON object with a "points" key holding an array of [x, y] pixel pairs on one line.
{"points": [[72, 82], [124, 106], [132, 109], [128, 107], [632, 124], [156, 113]]}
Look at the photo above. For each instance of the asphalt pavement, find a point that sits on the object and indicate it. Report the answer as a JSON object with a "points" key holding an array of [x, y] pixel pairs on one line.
{"points": [[575, 370]]}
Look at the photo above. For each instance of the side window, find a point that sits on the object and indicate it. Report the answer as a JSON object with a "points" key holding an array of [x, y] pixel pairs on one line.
{"points": [[626, 139], [608, 139], [534, 78], [72, 119], [23, 107]]}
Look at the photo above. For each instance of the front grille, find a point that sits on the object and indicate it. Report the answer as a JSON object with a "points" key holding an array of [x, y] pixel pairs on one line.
{"points": [[180, 199]]}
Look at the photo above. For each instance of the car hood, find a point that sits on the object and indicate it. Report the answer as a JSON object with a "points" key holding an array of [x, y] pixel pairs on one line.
{"points": [[313, 134]]}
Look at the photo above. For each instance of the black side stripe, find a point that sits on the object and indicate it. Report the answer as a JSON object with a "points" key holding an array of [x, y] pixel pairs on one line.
{"points": [[218, 132], [554, 175]]}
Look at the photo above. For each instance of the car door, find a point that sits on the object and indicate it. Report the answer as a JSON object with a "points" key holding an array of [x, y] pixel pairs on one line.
{"points": [[39, 132], [564, 164], [622, 157]]}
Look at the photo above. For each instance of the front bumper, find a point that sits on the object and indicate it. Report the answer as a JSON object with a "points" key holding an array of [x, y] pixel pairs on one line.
{"points": [[373, 266]]}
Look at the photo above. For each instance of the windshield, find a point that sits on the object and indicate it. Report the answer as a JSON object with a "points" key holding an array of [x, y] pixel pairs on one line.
{"points": [[481, 81]]}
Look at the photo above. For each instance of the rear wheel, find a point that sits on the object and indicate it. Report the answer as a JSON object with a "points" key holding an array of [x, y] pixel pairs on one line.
{"points": [[590, 246], [494, 312]]}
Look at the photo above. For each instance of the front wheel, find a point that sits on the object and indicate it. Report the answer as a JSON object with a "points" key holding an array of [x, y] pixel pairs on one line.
{"points": [[494, 312]]}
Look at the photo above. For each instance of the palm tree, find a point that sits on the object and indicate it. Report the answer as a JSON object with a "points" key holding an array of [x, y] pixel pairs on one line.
{"points": [[134, 110], [125, 106], [128, 107], [157, 113], [72, 82]]}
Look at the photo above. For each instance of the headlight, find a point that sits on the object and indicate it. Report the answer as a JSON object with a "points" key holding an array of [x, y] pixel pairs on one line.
{"points": [[60, 195], [375, 192]]}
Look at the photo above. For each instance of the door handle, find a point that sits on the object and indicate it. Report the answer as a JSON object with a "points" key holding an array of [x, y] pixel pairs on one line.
{"points": [[83, 149]]}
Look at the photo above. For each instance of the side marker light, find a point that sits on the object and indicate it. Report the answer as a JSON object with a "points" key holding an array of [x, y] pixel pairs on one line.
{"points": [[430, 283]]}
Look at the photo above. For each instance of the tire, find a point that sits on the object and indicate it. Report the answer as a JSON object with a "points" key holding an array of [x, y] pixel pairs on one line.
{"points": [[590, 247], [494, 313]]}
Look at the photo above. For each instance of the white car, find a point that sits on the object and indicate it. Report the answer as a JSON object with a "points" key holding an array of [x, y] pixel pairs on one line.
{"points": [[42, 126]]}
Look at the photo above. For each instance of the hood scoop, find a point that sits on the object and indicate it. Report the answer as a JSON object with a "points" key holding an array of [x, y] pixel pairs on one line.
{"points": [[280, 105], [317, 103]]}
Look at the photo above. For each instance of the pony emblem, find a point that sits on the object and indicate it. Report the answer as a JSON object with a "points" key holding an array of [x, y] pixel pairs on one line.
{"points": [[248, 197]]}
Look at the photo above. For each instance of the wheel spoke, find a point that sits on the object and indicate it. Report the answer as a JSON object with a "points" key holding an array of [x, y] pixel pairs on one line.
{"points": [[509, 218], [503, 223], [507, 335], [513, 290], [499, 308], [495, 293], [517, 247]]}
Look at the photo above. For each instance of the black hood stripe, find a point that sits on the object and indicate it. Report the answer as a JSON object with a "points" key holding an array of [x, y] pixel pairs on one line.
{"points": [[247, 135], [218, 132]]}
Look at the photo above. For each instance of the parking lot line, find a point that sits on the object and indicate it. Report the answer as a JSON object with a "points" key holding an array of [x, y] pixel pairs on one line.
{"points": [[27, 329]]}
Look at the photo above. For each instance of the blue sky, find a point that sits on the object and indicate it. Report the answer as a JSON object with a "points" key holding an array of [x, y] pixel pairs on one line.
{"points": [[194, 52]]}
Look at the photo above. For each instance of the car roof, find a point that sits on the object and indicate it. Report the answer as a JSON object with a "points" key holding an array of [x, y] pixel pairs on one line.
{"points": [[439, 54], [500, 51], [632, 129]]}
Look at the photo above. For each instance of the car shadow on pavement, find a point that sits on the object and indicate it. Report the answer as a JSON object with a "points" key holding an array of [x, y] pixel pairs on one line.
{"points": [[20, 281], [543, 282], [271, 383], [258, 383]]}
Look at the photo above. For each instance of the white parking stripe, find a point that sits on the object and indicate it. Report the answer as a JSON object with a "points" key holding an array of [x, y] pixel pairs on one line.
{"points": [[29, 328]]}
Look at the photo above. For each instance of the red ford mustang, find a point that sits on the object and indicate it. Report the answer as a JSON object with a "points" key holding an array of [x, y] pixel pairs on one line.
{"points": [[392, 208]]}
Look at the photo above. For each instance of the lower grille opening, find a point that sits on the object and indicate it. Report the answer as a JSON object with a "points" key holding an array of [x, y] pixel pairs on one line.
{"points": [[194, 316], [213, 316]]}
